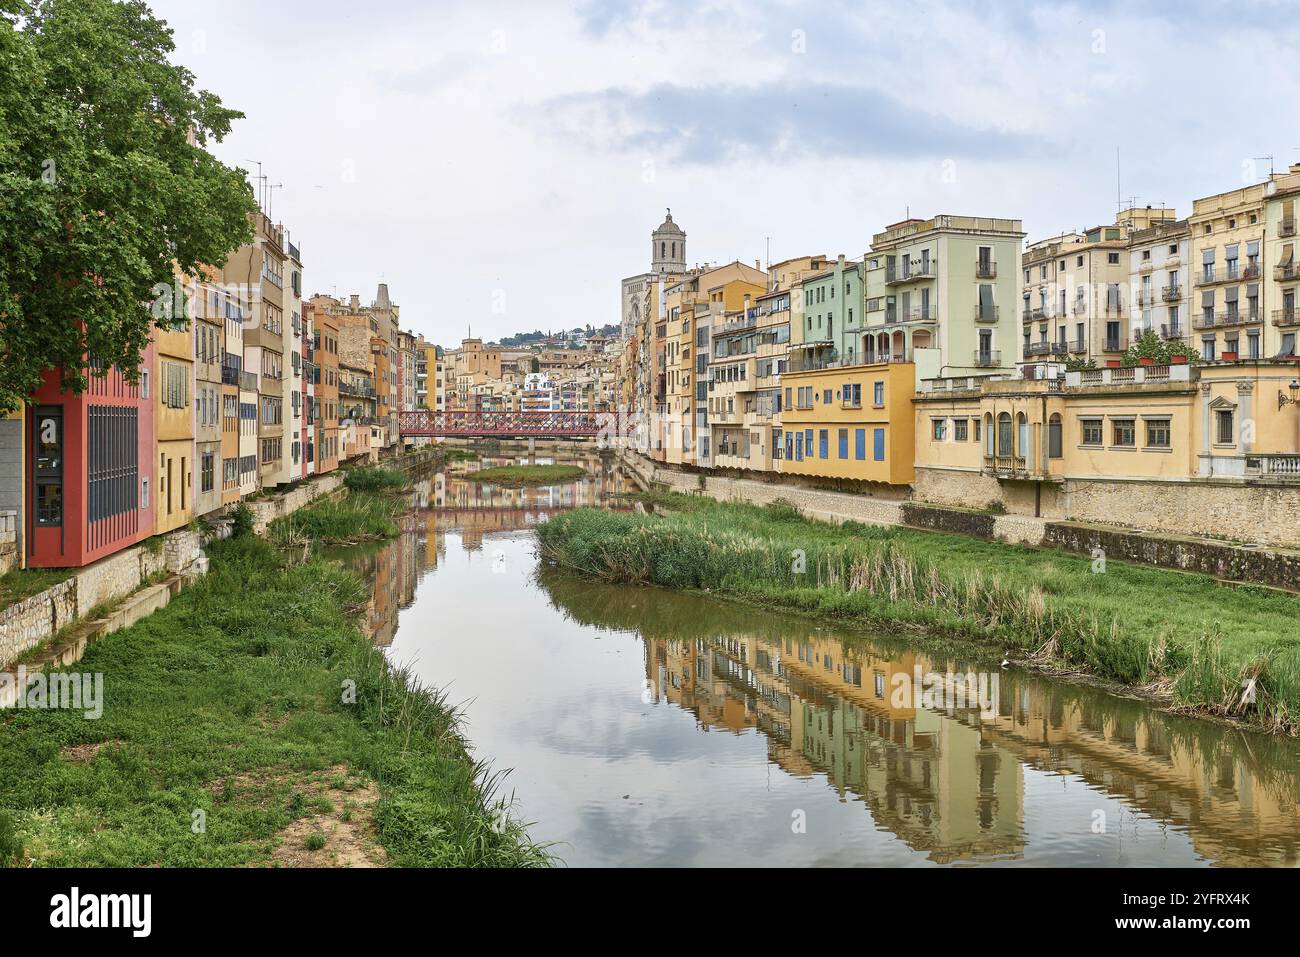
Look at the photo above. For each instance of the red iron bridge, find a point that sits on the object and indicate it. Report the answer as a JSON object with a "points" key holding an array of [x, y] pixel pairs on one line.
{"points": [[512, 424]]}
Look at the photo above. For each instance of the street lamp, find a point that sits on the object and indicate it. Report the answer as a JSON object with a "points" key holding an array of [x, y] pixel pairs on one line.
{"points": [[1283, 400]]}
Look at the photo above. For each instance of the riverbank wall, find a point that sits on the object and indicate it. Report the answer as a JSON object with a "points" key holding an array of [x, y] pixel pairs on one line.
{"points": [[1278, 568], [139, 580]]}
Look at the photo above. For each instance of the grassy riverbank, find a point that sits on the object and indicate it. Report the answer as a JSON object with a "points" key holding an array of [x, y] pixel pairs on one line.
{"points": [[515, 475], [1147, 627], [350, 519], [250, 722]]}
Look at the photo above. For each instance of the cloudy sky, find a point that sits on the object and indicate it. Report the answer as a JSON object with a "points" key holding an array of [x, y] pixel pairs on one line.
{"points": [[501, 165]]}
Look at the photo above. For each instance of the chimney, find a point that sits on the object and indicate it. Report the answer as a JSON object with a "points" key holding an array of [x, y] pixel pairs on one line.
{"points": [[758, 264]]}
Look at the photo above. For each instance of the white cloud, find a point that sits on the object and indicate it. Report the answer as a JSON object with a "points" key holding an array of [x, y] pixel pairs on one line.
{"points": [[505, 149]]}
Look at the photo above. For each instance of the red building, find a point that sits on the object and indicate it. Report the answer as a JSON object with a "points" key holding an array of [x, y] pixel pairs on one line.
{"points": [[90, 468]]}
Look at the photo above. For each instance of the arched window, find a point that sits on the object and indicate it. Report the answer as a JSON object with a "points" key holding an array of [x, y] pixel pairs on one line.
{"points": [[1054, 436], [988, 433], [674, 250], [663, 250], [1022, 439], [1006, 438]]}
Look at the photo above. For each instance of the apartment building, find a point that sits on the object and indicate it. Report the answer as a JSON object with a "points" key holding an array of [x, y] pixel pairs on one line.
{"points": [[89, 465], [1159, 263], [173, 426], [260, 266], [325, 375], [208, 322], [235, 382], [850, 422], [1231, 244], [940, 293], [294, 383], [699, 297], [1280, 259], [830, 295], [1116, 440]]}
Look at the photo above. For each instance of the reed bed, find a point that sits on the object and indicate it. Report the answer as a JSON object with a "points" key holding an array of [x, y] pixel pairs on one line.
{"points": [[1166, 632]]}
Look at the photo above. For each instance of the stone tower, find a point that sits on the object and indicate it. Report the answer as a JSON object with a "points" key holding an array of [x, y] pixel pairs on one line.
{"points": [[668, 248]]}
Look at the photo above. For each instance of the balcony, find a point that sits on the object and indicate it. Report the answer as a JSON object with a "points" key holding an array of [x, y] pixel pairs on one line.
{"points": [[1080, 307], [1005, 464], [985, 269], [1286, 227], [1136, 375], [912, 273], [987, 314], [1285, 318], [1114, 307], [921, 314], [1146, 297], [1171, 293], [1174, 331], [1221, 320], [248, 381], [1285, 272], [1115, 344], [1274, 466], [987, 358], [1037, 314], [1230, 273], [1033, 349]]}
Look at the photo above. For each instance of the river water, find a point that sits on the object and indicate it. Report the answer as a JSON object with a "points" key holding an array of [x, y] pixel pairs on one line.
{"points": [[650, 727]]}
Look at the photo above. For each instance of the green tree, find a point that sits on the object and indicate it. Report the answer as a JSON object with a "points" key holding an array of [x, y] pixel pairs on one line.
{"points": [[1160, 350], [105, 183]]}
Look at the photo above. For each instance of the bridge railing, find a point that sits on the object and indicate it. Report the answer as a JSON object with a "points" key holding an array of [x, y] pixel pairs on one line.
{"points": [[508, 424]]}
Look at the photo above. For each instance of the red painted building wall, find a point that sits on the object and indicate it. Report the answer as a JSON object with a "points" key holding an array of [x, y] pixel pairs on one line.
{"points": [[90, 466]]}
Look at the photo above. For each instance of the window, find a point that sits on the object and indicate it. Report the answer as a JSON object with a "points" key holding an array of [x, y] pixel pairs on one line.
{"points": [[1223, 434], [878, 440], [1157, 433], [1091, 431], [860, 444], [878, 394], [1006, 438], [824, 443], [939, 427], [1123, 434], [1054, 436], [207, 472], [844, 443], [48, 465], [959, 430]]}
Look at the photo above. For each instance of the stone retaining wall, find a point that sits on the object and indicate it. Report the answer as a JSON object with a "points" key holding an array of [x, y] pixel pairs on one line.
{"points": [[1256, 512], [1270, 566], [1220, 559]]}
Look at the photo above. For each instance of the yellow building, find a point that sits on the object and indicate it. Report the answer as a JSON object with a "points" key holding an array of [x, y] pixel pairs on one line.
{"points": [[1115, 444], [173, 427], [850, 422]]}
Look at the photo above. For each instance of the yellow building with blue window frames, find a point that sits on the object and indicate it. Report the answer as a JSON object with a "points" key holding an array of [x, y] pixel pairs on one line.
{"points": [[852, 422]]}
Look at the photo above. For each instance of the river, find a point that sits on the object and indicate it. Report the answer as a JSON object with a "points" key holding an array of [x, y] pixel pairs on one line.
{"points": [[650, 727]]}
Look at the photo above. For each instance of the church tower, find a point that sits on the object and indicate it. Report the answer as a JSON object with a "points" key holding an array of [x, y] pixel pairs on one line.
{"points": [[668, 248]]}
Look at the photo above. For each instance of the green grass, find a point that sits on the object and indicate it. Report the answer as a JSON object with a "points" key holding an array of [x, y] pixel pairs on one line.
{"points": [[20, 583], [1140, 625], [372, 478], [354, 517], [528, 474], [221, 703]]}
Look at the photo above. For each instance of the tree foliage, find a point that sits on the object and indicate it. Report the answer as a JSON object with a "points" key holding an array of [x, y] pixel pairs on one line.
{"points": [[106, 185], [1158, 349]]}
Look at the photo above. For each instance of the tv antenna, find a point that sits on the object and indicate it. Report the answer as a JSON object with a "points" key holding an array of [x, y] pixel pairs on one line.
{"points": [[1270, 163]]}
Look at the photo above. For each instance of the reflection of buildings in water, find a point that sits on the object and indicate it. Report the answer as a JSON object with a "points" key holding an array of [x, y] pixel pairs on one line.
{"points": [[950, 781], [934, 782], [477, 510], [1237, 796]]}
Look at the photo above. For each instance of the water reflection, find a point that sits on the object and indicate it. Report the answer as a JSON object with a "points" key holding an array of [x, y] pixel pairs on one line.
{"points": [[582, 688]]}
